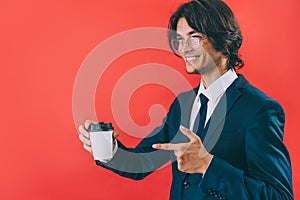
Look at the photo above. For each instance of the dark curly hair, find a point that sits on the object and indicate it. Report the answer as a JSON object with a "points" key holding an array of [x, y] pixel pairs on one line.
{"points": [[216, 20]]}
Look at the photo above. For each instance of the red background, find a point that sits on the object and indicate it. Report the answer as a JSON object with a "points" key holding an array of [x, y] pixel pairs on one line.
{"points": [[43, 44]]}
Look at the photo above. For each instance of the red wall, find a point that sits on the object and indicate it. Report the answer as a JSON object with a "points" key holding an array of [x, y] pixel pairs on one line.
{"points": [[43, 44]]}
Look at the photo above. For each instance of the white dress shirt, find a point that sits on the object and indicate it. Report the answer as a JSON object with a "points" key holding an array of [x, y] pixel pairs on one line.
{"points": [[214, 93]]}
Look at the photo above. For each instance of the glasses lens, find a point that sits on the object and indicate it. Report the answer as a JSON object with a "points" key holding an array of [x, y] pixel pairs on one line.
{"points": [[178, 44], [194, 42]]}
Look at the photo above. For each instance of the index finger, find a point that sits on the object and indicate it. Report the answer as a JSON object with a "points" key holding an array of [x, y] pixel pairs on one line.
{"points": [[167, 146]]}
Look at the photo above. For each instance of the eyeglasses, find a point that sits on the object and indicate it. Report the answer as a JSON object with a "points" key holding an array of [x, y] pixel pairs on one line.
{"points": [[193, 42]]}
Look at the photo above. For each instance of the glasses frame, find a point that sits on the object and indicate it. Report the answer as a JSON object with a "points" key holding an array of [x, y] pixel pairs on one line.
{"points": [[178, 43]]}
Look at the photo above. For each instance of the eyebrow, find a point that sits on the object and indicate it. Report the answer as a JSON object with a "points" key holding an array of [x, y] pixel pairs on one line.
{"points": [[192, 32], [189, 33]]}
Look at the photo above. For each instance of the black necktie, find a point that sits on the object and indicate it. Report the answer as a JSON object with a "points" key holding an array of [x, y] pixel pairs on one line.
{"points": [[202, 117]]}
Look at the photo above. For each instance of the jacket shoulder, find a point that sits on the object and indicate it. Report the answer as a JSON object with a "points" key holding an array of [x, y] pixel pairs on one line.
{"points": [[256, 97]]}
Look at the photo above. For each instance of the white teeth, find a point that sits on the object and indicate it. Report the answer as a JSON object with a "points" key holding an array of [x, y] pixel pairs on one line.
{"points": [[191, 58]]}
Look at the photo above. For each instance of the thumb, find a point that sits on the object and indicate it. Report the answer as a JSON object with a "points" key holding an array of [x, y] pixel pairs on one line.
{"points": [[187, 132]]}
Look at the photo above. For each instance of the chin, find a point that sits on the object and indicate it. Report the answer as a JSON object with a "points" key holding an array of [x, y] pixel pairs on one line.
{"points": [[190, 69]]}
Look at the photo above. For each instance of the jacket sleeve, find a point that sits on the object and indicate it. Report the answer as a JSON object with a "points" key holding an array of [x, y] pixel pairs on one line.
{"points": [[137, 163], [268, 173]]}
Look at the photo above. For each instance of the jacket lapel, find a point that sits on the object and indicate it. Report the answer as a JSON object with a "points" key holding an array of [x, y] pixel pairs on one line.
{"points": [[216, 122], [186, 105]]}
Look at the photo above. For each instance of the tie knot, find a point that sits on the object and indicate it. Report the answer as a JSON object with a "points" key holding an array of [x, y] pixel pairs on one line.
{"points": [[203, 99]]}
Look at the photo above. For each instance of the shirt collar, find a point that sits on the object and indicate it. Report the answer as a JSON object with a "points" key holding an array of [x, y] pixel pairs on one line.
{"points": [[218, 87]]}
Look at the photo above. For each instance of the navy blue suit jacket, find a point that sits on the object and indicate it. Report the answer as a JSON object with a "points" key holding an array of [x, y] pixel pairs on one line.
{"points": [[245, 135]]}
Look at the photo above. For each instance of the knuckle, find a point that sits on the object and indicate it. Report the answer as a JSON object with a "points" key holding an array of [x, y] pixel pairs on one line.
{"points": [[195, 140], [183, 148], [87, 148], [82, 134], [84, 146], [84, 140], [88, 142]]}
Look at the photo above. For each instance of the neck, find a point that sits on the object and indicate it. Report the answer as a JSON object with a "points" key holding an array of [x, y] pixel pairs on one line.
{"points": [[211, 76]]}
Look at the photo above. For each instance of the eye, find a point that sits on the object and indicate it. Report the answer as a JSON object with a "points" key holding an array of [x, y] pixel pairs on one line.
{"points": [[196, 39], [179, 39]]}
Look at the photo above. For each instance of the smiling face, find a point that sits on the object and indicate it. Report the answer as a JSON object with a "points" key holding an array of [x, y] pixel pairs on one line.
{"points": [[204, 60]]}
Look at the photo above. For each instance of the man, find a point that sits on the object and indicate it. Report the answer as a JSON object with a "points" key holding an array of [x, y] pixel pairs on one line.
{"points": [[225, 137]]}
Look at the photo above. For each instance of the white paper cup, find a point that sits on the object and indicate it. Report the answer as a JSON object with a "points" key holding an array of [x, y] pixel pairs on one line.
{"points": [[102, 145]]}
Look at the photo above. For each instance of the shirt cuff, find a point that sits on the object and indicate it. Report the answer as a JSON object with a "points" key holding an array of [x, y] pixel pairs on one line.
{"points": [[115, 147]]}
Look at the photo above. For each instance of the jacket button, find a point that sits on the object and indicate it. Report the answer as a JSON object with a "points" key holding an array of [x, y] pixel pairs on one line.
{"points": [[186, 184]]}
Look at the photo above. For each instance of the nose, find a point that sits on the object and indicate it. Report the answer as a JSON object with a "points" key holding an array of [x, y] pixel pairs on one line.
{"points": [[185, 48]]}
